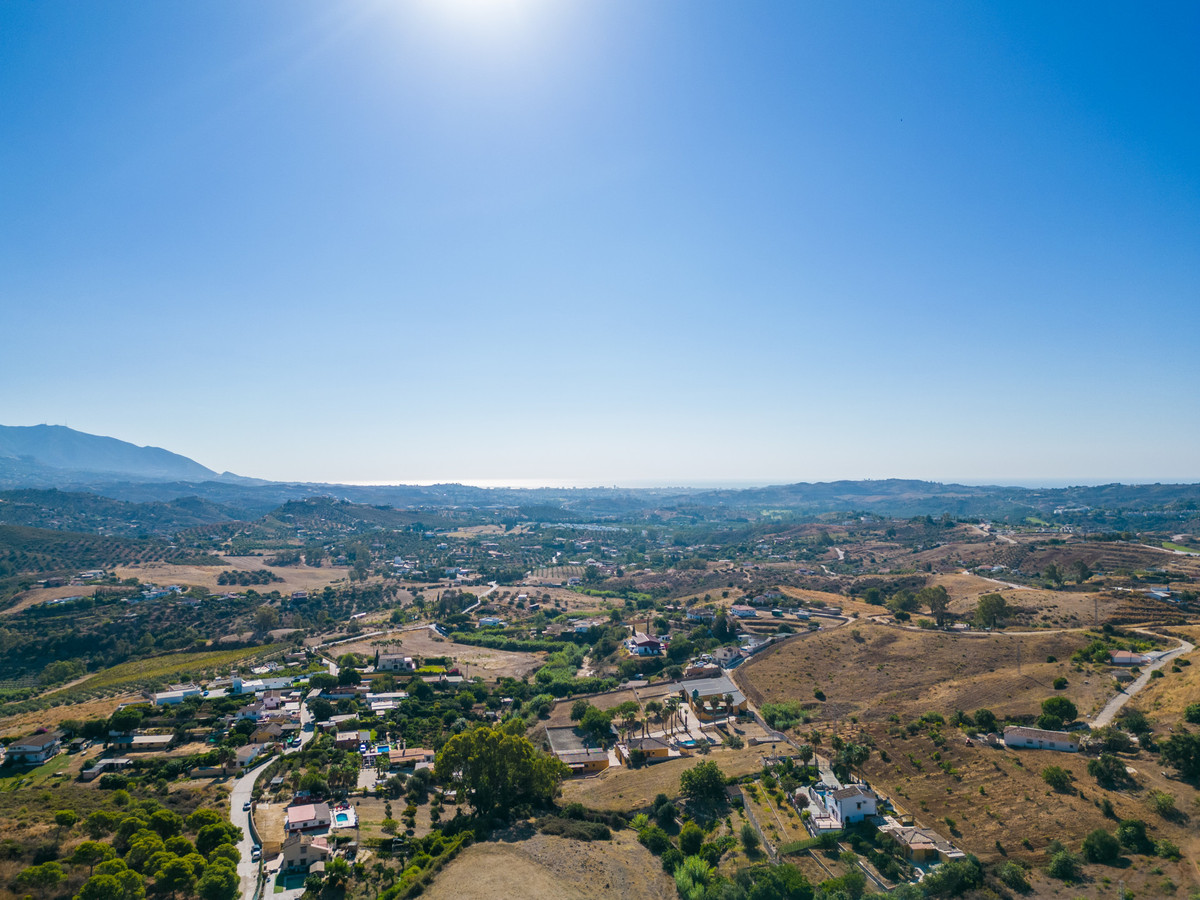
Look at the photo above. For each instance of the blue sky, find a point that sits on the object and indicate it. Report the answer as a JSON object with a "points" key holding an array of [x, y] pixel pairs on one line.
{"points": [[607, 242]]}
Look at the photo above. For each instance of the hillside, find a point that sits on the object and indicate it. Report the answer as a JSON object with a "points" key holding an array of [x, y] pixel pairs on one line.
{"points": [[47, 452]]}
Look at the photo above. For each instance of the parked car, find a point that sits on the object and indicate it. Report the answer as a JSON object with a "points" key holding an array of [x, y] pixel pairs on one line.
{"points": [[246, 806]]}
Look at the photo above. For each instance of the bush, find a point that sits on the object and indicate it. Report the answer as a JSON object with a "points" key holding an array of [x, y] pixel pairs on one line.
{"points": [[1060, 683], [1101, 847], [1192, 713], [1014, 877], [691, 837], [1064, 866], [1058, 778], [654, 839], [671, 859]]}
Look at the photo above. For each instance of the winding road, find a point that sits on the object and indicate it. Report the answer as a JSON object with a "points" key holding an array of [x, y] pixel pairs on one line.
{"points": [[1114, 705]]}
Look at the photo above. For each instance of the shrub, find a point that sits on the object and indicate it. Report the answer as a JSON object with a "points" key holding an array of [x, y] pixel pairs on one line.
{"points": [[671, 859], [1064, 866], [654, 839], [1166, 850], [691, 837], [1013, 876], [1192, 713], [1101, 847], [1058, 778], [1162, 803], [1060, 683]]}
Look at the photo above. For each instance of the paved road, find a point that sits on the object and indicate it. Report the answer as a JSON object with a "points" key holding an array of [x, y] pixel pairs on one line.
{"points": [[1114, 705], [242, 790]]}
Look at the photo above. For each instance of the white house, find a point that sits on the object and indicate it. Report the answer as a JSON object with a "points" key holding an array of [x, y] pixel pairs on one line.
{"points": [[177, 693], [1018, 737], [308, 817], [744, 612], [36, 748], [851, 804], [395, 662], [1127, 658]]}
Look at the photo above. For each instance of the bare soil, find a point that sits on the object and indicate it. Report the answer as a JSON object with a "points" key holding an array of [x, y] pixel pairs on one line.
{"points": [[546, 867], [295, 578], [422, 642]]}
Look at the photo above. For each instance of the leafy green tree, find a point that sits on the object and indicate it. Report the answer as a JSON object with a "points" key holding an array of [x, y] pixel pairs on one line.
{"points": [[703, 784], [1131, 833], [1014, 877], [691, 837], [125, 720], [41, 878], [991, 611], [692, 878], [100, 823], [498, 770], [1182, 750], [1191, 713], [218, 883], [985, 720], [226, 851], [91, 852], [65, 818], [213, 836], [176, 877], [141, 848], [1108, 771], [166, 823], [1059, 707], [1082, 571], [750, 839], [101, 887]]}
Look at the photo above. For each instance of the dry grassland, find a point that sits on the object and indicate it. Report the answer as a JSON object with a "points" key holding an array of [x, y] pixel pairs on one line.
{"points": [[1065, 608], [997, 799], [295, 578], [1164, 699], [25, 723], [42, 595], [885, 670], [546, 867], [481, 661], [626, 789], [849, 605]]}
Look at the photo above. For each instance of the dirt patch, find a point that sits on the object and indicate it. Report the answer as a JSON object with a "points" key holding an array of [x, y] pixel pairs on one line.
{"points": [[553, 868], [479, 661]]}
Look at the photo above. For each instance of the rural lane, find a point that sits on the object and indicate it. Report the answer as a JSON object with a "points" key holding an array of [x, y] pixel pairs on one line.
{"points": [[243, 788], [1114, 705]]}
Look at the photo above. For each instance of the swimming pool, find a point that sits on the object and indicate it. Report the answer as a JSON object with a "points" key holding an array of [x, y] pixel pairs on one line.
{"points": [[342, 819]]}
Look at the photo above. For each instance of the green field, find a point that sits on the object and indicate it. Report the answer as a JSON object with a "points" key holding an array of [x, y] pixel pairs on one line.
{"points": [[172, 666], [1167, 545], [36, 777]]}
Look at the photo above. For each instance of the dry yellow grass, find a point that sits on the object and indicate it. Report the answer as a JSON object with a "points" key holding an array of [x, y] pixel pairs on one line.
{"points": [[1164, 699], [544, 867], [631, 789], [25, 723], [295, 578], [871, 671]]}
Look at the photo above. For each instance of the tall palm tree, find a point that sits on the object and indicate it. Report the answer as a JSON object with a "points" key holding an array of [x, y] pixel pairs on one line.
{"points": [[671, 706]]}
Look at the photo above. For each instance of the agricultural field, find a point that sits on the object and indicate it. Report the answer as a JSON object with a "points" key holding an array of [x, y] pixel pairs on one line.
{"points": [[546, 867], [871, 671], [173, 667], [1033, 606]]}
